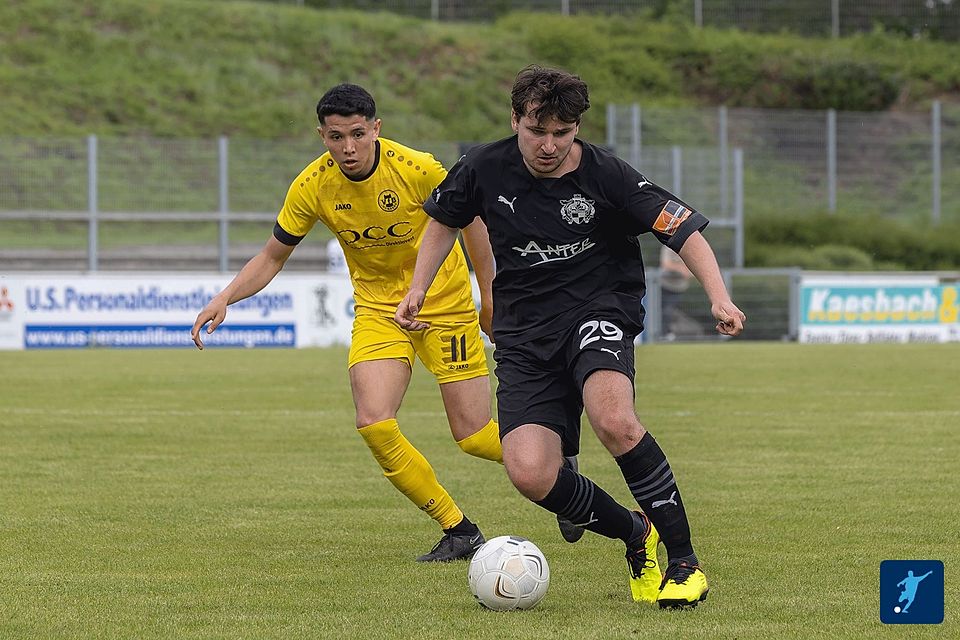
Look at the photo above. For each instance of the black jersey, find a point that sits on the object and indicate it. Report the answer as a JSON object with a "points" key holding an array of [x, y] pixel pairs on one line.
{"points": [[560, 243]]}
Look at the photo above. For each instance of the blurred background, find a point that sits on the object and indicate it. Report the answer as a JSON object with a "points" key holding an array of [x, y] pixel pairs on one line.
{"points": [[817, 135]]}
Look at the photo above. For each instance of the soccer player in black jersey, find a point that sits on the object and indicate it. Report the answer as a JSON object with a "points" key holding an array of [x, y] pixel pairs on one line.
{"points": [[563, 216]]}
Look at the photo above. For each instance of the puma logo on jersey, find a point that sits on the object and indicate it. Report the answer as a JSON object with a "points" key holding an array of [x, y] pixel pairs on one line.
{"points": [[616, 354], [509, 203], [670, 500], [644, 183], [341, 206]]}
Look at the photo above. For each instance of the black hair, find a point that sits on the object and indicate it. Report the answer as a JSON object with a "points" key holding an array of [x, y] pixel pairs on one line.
{"points": [[556, 93], [346, 100]]}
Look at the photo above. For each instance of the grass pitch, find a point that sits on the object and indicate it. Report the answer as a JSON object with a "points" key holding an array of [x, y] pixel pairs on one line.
{"points": [[224, 494]]}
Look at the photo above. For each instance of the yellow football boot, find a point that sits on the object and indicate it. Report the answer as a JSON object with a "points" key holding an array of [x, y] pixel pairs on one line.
{"points": [[684, 585], [645, 575]]}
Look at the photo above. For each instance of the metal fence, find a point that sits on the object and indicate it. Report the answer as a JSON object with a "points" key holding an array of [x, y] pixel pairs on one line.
{"points": [[890, 163], [768, 297], [135, 203], [935, 18]]}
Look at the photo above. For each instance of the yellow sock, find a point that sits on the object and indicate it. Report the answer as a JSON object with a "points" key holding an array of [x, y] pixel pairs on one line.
{"points": [[410, 472], [485, 443]]}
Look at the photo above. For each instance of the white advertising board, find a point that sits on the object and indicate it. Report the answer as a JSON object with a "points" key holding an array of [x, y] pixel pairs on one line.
{"points": [[884, 308], [143, 310]]}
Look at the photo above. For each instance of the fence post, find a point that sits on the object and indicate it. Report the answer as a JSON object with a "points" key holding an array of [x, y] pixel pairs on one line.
{"points": [[738, 207], [635, 136], [832, 160], [698, 13], [612, 127], [677, 170], [835, 18], [224, 205], [565, 7], [722, 126], [937, 168], [653, 302], [435, 10], [92, 204]]}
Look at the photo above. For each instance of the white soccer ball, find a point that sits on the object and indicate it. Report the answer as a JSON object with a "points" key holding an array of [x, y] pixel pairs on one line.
{"points": [[507, 573]]}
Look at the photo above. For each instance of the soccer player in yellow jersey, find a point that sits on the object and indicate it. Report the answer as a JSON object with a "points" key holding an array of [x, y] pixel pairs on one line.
{"points": [[369, 191]]}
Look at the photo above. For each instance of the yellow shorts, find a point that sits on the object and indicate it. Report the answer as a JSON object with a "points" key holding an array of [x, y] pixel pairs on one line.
{"points": [[450, 350]]}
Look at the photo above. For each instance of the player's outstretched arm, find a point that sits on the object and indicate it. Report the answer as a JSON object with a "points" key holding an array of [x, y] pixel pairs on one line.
{"points": [[699, 258], [254, 276], [477, 241], [437, 242]]}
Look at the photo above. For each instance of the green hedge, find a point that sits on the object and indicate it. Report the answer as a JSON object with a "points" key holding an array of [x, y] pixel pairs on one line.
{"points": [[846, 242]]}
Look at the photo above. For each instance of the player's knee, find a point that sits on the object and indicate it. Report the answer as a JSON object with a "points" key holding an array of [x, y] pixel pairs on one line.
{"points": [[621, 430], [532, 480], [366, 417]]}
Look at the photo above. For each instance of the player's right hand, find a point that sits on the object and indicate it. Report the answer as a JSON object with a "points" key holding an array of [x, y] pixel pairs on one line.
{"points": [[214, 313], [409, 308], [486, 321], [730, 319]]}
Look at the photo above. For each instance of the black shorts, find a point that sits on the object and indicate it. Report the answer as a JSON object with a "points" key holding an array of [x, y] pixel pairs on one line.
{"points": [[541, 381]]}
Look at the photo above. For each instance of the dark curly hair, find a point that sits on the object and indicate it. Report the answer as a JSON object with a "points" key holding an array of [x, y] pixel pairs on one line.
{"points": [[555, 93]]}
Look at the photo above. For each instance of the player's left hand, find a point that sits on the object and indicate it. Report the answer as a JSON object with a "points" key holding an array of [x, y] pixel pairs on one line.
{"points": [[730, 319]]}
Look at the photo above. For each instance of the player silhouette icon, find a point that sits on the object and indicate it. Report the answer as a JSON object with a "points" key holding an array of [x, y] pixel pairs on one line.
{"points": [[909, 585]]}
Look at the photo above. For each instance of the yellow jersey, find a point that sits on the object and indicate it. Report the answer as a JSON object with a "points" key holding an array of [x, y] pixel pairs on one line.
{"points": [[379, 222]]}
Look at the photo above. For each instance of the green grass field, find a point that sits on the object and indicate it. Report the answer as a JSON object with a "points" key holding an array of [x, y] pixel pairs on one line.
{"points": [[224, 494]]}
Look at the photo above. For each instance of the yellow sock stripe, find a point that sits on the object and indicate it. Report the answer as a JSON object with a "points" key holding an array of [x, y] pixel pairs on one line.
{"points": [[409, 472], [485, 443]]}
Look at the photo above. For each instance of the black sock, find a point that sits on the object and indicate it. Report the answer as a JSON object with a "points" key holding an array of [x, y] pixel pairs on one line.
{"points": [[690, 559], [648, 474], [463, 528], [580, 501]]}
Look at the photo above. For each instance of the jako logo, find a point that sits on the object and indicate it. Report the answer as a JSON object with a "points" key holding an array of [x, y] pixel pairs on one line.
{"points": [[341, 206]]}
